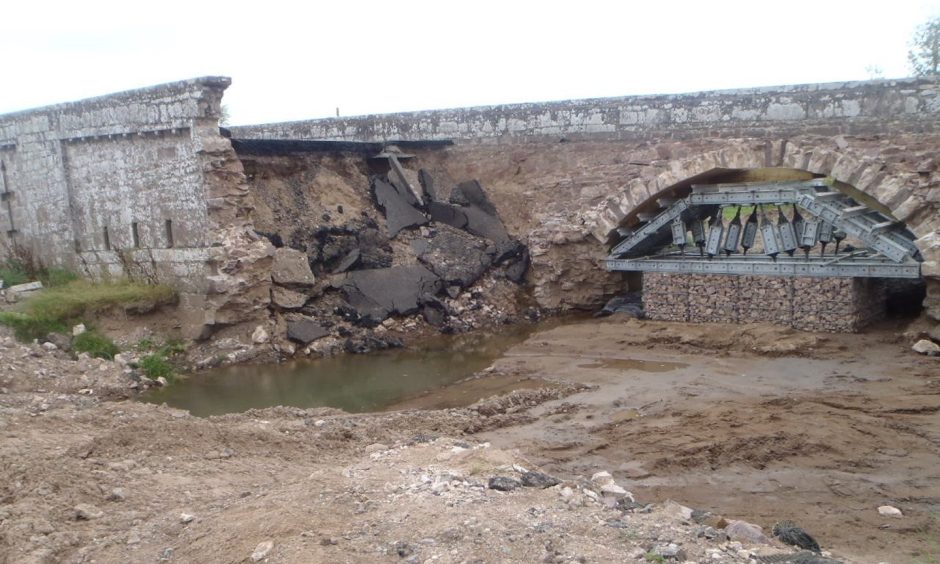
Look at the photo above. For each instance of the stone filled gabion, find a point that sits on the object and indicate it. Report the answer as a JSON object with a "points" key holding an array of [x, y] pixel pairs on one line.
{"points": [[835, 305]]}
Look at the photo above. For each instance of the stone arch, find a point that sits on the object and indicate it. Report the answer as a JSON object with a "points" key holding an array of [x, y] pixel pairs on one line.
{"points": [[902, 191]]}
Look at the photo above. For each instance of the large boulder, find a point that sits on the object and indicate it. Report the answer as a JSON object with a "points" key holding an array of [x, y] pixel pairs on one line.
{"points": [[306, 330], [376, 294], [399, 212], [457, 257], [291, 268], [286, 298]]}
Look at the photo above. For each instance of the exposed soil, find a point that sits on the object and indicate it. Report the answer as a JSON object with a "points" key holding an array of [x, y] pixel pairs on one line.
{"points": [[754, 423], [759, 423]]}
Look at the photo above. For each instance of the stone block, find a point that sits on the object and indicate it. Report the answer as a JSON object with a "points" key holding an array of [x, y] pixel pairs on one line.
{"points": [[291, 268]]}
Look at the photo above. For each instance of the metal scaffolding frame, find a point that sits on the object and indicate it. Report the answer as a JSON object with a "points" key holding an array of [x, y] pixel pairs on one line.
{"points": [[890, 251]]}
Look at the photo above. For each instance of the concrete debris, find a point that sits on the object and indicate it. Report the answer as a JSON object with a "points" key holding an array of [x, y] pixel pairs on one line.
{"points": [[677, 510], [87, 512], [376, 294], [349, 261], [670, 551], [25, 288], [261, 551], [291, 268], [260, 335], [746, 532], [433, 314], [539, 480], [427, 184], [517, 268], [306, 330], [503, 483], [368, 344], [889, 511], [447, 214], [78, 329], [406, 184], [615, 491], [286, 298], [470, 193], [788, 533], [456, 257], [926, 347], [629, 304], [484, 224], [399, 212]]}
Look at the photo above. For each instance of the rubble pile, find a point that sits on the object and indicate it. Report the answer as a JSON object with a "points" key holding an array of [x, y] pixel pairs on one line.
{"points": [[365, 261]]}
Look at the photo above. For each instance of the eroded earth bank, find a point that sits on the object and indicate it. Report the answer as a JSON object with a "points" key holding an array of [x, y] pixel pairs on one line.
{"points": [[750, 423]]}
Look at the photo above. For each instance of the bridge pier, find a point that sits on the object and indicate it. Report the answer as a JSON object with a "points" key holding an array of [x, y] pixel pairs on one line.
{"points": [[834, 305]]}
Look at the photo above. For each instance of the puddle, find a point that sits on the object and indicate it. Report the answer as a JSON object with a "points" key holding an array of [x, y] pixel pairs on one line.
{"points": [[400, 379], [633, 364]]}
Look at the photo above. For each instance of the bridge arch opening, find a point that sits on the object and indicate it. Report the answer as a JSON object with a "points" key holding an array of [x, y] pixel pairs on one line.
{"points": [[642, 237]]}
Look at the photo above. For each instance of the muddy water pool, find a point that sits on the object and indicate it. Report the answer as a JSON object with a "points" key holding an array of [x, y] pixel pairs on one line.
{"points": [[353, 383]]}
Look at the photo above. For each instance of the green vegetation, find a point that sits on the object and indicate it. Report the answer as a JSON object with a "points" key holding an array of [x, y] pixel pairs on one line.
{"points": [[58, 307], [13, 272], [156, 365], [95, 344], [159, 362], [27, 328], [924, 53], [56, 277], [653, 557]]}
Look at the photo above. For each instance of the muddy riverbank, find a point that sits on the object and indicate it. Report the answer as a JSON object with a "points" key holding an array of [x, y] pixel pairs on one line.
{"points": [[752, 422]]}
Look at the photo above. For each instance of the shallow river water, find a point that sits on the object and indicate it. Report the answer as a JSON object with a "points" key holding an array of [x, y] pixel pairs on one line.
{"points": [[353, 383]]}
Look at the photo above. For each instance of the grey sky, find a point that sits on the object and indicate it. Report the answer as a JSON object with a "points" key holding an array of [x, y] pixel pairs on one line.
{"points": [[298, 60]]}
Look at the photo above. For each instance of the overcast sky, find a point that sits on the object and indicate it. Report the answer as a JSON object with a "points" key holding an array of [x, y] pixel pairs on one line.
{"points": [[300, 60]]}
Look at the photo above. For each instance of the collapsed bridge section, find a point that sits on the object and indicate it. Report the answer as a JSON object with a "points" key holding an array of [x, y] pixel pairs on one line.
{"points": [[757, 252]]}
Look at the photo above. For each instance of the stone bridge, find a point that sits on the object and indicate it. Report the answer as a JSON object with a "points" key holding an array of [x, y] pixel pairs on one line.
{"points": [[583, 167], [142, 180]]}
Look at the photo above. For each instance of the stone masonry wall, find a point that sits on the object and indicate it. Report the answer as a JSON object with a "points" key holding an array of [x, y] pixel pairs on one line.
{"points": [[836, 305], [574, 170], [138, 184], [826, 109]]}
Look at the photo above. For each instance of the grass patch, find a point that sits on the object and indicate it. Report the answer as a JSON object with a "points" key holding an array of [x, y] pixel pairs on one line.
{"points": [[81, 297], [653, 557], [68, 300], [156, 365], [56, 277], [95, 344], [27, 328], [159, 362], [13, 272]]}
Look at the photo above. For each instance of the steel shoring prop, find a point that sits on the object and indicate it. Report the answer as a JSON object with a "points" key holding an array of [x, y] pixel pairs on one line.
{"points": [[848, 265]]}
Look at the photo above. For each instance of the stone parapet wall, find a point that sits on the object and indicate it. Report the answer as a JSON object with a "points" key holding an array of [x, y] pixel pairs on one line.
{"points": [[836, 305], [137, 184], [826, 109]]}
